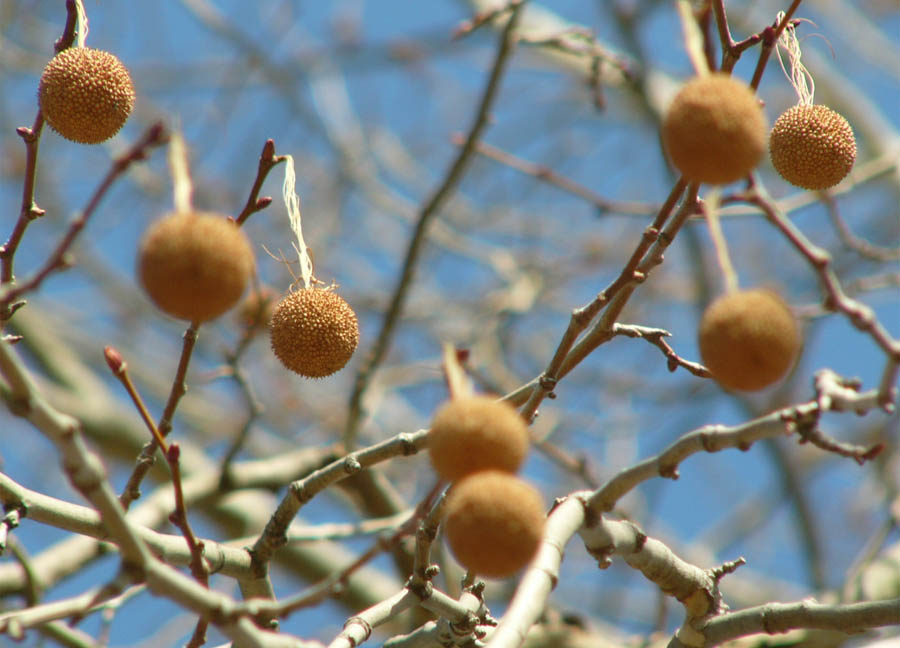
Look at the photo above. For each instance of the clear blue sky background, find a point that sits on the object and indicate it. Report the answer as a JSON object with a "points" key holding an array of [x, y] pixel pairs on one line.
{"points": [[218, 87]]}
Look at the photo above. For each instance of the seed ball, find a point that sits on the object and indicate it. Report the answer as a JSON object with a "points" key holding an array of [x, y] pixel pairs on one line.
{"points": [[476, 433], [86, 95], [812, 147], [195, 265], [748, 339], [314, 332], [493, 522], [715, 130]]}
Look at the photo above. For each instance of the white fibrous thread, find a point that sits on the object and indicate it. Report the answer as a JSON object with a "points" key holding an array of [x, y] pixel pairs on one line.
{"points": [[799, 76], [82, 24], [292, 203], [181, 176]]}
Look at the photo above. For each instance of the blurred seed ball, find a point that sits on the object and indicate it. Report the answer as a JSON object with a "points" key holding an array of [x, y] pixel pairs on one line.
{"points": [[314, 332], [195, 265], [715, 130], [494, 522], [475, 433], [812, 147], [749, 339], [257, 308], [86, 95]]}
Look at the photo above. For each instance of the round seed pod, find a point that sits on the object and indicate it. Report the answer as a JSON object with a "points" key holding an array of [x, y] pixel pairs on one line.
{"points": [[715, 131], [748, 339], [314, 332], [812, 147], [194, 265], [493, 522], [476, 433], [86, 95]]}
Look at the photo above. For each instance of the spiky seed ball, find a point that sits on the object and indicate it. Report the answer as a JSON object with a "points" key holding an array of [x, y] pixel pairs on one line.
{"points": [[86, 95], [812, 147], [493, 522], [475, 433], [715, 130], [314, 332], [195, 265], [748, 339]]}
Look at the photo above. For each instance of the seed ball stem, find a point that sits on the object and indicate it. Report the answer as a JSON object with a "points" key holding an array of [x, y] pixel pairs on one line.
{"points": [[195, 265], [86, 95], [494, 523], [748, 339], [314, 332], [715, 131]]}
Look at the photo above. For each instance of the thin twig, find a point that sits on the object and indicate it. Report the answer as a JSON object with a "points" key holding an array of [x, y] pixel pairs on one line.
{"points": [[59, 259], [303, 490], [31, 138], [267, 160], [656, 337], [548, 175], [429, 210], [712, 438], [770, 36], [147, 458], [854, 242], [860, 315]]}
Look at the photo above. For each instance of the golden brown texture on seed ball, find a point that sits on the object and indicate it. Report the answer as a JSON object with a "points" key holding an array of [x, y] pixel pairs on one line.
{"points": [[314, 332], [748, 339], [493, 522], [86, 95], [715, 130], [812, 147], [476, 433], [195, 265]]}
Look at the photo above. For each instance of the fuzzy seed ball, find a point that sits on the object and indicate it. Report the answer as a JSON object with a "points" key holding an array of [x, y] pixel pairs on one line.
{"points": [[748, 339], [812, 147], [715, 130], [314, 332], [493, 522], [470, 434], [86, 95], [195, 265]]}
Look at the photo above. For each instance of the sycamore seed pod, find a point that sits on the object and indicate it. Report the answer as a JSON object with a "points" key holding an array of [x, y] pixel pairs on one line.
{"points": [[194, 265], [314, 332], [748, 339], [493, 522], [715, 131], [812, 147], [476, 433], [86, 95]]}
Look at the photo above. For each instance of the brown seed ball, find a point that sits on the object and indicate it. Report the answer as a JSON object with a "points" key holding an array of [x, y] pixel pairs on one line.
{"points": [[748, 339], [715, 130], [812, 147], [195, 265], [86, 95], [494, 522], [314, 332], [476, 433]]}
